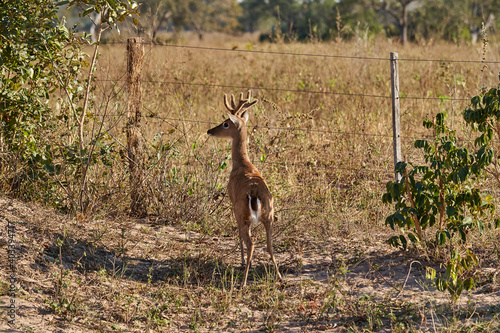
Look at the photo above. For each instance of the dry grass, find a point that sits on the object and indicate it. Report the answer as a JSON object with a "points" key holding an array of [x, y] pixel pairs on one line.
{"points": [[326, 157]]}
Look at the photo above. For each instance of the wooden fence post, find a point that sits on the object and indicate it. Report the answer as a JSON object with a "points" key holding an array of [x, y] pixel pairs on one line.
{"points": [[395, 111], [135, 57]]}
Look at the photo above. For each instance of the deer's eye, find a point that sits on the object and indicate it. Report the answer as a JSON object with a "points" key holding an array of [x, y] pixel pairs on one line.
{"points": [[225, 125]]}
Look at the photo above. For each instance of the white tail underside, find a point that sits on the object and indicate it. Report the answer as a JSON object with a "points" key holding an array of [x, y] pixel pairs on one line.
{"points": [[254, 214]]}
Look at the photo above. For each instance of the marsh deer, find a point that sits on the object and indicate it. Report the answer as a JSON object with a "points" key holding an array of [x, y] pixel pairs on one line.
{"points": [[248, 191]]}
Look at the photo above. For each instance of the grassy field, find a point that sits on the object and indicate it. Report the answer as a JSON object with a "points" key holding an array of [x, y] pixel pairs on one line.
{"points": [[321, 135]]}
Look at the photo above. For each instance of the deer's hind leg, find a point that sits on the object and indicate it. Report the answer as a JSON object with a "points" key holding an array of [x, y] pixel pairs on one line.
{"points": [[245, 236], [242, 252], [269, 233]]}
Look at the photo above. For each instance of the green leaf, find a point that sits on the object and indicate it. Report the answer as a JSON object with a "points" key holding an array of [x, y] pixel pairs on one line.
{"points": [[463, 173], [87, 11], [112, 4], [390, 221], [394, 241], [442, 237], [428, 124], [467, 221], [450, 211], [387, 198], [394, 190], [404, 243], [469, 284], [456, 289], [480, 227], [465, 264], [473, 257], [421, 143], [430, 273], [475, 100], [412, 238], [463, 235], [401, 167], [441, 284]]}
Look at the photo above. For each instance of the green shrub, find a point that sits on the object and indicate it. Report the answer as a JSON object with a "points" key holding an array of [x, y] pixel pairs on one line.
{"points": [[46, 89], [443, 196]]}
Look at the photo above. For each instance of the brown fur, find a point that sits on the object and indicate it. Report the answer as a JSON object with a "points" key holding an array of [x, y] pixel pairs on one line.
{"points": [[245, 180]]}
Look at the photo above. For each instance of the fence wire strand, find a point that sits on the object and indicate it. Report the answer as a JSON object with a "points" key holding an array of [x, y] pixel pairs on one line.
{"points": [[310, 130], [292, 90], [313, 54]]}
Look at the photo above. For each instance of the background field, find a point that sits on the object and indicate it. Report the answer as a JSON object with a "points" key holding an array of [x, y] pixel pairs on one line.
{"points": [[320, 134]]}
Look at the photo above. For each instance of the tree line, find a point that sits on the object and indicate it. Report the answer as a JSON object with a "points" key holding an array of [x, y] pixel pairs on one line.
{"points": [[457, 20]]}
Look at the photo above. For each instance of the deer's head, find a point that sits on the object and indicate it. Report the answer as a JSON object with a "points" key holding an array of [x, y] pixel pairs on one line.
{"points": [[238, 116]]}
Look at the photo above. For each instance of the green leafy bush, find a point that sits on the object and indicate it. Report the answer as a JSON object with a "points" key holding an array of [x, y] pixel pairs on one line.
{"points": [[46, 101], [442, 196], [35, 47]]}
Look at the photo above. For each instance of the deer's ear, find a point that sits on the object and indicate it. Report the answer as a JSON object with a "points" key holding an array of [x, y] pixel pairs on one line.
{"points": [[234, 120], [244, 115]]}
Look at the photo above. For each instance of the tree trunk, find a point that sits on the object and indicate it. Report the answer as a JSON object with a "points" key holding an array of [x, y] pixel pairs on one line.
{"points": [[475, 31], [135, 50], [404, 24]]}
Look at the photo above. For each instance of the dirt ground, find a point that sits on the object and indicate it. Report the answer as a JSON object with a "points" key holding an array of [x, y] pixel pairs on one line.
{"points": [[343, 284]]}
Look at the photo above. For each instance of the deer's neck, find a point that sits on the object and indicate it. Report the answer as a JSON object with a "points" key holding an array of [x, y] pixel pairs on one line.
{"points": [[239, 153]]}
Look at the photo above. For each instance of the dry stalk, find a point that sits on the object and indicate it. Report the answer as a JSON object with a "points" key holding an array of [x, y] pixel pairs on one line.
{"points": [[441, 200], [81, 121], [418, 227], [407, 276]]}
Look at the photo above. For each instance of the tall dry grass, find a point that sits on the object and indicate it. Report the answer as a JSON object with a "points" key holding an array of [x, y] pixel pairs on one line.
{"points": [[321, 133]]}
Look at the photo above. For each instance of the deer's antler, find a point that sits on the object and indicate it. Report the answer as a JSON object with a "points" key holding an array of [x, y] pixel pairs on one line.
{"points": [[243, 104]]}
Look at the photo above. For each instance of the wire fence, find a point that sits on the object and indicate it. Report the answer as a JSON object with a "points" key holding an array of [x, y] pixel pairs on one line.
{"points": [[311, 54], [300, 91], [291, 129], [154, 114]]}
